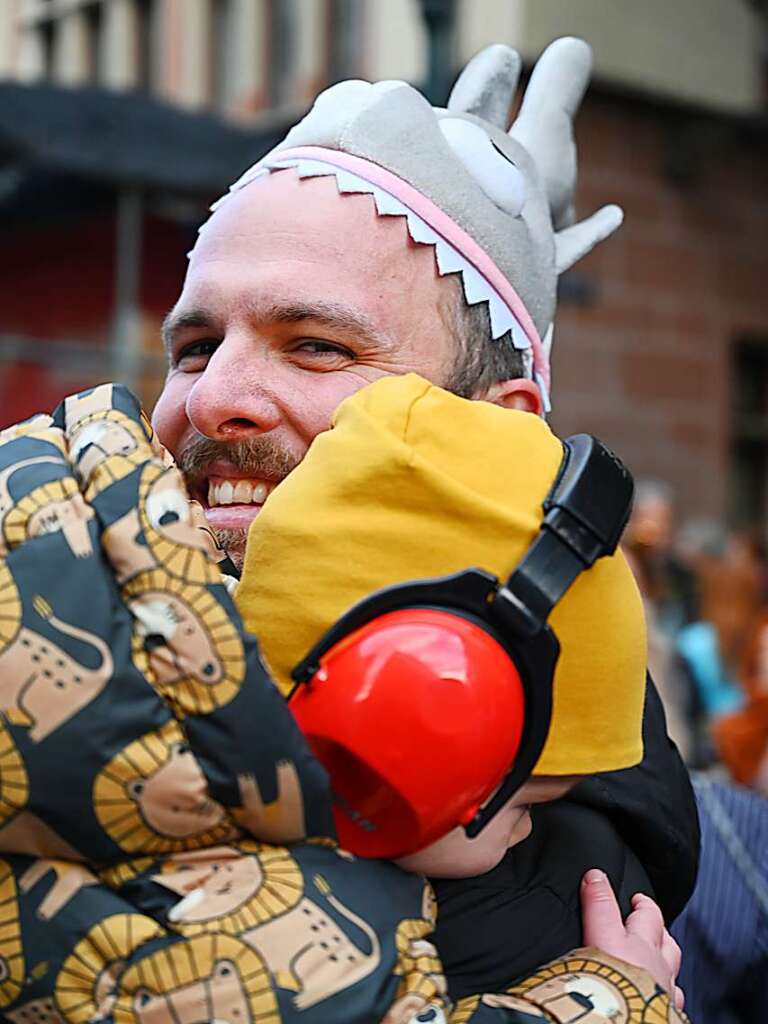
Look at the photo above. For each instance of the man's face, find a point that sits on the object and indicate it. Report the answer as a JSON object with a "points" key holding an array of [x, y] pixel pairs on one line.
{"points": [[295, 298]]}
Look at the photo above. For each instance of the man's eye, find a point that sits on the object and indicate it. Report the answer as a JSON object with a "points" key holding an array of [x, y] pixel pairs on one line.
{"points": [[331, 348], [195, 355]]}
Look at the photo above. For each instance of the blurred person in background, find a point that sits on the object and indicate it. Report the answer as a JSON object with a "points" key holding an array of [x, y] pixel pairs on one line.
{"points": [[710, 650], [674, 691], [668, 589], [665, 580], [742, 737]]}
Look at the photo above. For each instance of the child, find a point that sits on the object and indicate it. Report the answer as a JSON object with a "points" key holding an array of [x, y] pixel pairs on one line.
{"points": [[414, 483], [162, 696]]}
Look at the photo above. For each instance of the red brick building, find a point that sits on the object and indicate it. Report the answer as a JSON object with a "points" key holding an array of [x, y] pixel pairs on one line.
{"points": [[662, 338]]}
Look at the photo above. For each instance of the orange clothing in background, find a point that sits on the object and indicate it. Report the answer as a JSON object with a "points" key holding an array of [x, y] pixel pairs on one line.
{"points": [[742, 737]]}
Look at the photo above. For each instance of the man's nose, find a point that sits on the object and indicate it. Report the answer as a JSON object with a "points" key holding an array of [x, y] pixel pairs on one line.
{"points": [[231, 400]]}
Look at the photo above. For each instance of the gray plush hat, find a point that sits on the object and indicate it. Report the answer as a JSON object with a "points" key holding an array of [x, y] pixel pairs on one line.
{"points": [[496, 205]]}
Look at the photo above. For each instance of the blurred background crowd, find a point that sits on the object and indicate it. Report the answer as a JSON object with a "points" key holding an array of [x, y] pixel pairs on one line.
{"points": [[705, 589], [120, 121]]}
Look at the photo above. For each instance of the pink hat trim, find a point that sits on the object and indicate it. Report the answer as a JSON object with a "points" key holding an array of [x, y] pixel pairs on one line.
{"points": [[439, 222]]}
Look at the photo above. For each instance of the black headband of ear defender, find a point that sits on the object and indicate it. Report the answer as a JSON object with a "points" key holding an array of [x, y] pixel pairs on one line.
{"points": [[585, 513]]}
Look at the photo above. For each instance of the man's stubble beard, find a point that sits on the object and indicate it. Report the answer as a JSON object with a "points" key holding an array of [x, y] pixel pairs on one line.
{"points": [[234, 542], [260, 458]]}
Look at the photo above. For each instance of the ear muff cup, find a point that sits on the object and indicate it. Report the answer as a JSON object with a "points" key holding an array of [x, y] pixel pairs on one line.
{"points": [[418, 716]]}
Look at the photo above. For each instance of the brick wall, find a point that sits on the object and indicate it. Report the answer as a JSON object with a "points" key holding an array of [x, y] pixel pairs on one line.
{"points": [[645, 364]]}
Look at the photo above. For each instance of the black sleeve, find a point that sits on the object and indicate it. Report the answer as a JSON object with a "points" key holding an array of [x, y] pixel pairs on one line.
{"points": [[653, 808]]}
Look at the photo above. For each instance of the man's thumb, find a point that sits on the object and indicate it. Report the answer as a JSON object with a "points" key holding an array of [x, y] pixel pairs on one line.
{"points": [[600, 912]]}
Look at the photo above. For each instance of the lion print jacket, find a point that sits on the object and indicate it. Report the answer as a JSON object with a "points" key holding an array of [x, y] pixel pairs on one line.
{"points": [[152, 779]]}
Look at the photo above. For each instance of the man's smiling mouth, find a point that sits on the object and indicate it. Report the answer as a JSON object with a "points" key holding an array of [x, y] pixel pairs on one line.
{"points": [[223, 491], [232, 482]]}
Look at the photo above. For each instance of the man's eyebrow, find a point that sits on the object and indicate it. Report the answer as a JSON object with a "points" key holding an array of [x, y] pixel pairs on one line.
{"points": [[178, 321], [333, 315]]}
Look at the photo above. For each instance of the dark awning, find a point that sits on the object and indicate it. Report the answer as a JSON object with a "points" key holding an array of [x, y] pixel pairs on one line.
{"points": [[119, 139]]}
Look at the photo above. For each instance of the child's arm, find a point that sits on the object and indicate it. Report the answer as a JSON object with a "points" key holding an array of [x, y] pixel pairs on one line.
{"points": [[135, 713], [626, 980]]}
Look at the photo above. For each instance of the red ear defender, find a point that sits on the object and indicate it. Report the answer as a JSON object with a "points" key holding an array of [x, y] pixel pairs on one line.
{"points": [[429, 702], [417, 716]]}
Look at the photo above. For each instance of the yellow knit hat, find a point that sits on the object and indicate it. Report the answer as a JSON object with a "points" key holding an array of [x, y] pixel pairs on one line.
{"points": [[414, 482]]}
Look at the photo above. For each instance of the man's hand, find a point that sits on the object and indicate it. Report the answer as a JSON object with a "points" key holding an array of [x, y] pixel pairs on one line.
{"points": [[641, 940]]}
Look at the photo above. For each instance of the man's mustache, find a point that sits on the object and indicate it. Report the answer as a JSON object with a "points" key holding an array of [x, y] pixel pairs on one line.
{"points": [[259, 457]]}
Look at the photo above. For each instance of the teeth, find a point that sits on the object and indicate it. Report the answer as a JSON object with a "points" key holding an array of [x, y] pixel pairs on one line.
{"points": [[238, 492], [242, 493]]}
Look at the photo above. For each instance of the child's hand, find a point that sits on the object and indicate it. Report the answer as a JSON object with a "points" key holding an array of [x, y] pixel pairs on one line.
{"points": [[641, 940]]}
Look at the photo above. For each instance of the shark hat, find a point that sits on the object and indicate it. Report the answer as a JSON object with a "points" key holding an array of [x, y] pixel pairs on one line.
{"points": [[495, 204]]}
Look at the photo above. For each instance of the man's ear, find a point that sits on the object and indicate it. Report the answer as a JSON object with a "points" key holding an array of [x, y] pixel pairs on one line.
{"points": [[518, 393]]}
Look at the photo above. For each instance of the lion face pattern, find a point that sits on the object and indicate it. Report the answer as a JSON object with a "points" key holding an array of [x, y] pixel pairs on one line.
{"points": [[221, 999], [584, 991], [166, 530], [176, 640], [70, 516], [86, 989], [185, 642], [210, 979], [104, 443], [152, 797], [212, 886], [173, 800]]}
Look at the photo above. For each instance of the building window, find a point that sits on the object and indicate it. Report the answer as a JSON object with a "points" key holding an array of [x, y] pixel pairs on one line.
{"points": [[223, 46], [146, 34], [44, 33], [281, 40], [92, 43], [749, 433], [68, 39], [344, 39]]}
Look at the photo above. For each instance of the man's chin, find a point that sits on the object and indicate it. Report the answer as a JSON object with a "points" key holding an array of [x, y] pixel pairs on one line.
{"points": [[233, 541], [230, 525]]}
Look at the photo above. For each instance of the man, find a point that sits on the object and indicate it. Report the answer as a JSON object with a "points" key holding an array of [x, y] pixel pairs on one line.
{"points": [[383, 237]]}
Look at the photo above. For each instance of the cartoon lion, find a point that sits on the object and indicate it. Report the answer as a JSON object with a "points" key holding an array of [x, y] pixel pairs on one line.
{"points": [[153, 798]]}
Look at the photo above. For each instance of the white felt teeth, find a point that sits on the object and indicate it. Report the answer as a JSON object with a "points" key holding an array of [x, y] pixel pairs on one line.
{"points": [[449, 260], [245, 179], [544, 391], [386, 204], [502, 320], [475, 289], [347, 182], [546, 341], [421, 232]]}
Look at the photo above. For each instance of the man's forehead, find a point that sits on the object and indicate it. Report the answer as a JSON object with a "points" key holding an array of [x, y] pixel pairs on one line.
{"points": [[280, 207], [288, 243]]}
